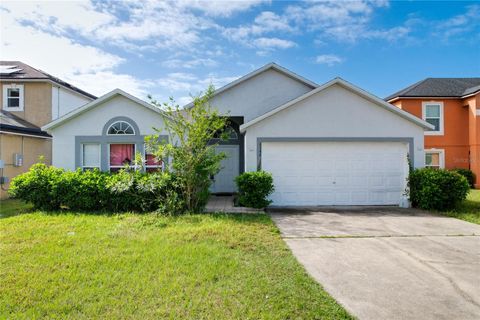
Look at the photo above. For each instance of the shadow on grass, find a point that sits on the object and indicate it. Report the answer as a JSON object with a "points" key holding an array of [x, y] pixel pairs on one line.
{"points": [[14, 207]]}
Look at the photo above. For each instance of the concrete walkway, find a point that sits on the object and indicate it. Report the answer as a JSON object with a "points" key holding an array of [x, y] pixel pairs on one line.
{"points": [[225, 204], [389, 263]]}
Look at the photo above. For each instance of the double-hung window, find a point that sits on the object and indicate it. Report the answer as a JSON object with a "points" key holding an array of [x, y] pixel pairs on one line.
{"points": [[434, 158], [90, 156], [122, 155], [432, 113], [152, 164], [13, 97]]}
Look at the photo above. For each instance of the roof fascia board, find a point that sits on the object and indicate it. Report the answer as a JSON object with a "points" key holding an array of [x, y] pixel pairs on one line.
{"points": [[24, 134], [350, 87]]}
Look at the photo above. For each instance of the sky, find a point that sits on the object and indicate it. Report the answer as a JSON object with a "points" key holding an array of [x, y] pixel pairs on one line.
{"points": [[175, 49]]}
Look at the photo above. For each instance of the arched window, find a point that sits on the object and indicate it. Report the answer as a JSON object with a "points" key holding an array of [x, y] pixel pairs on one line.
{"points": [[229, 132], [120, 127], [232, 134]]}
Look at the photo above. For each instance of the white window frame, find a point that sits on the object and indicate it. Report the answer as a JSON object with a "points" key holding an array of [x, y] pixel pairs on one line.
{"points": [[162, 166], [21, 97], [122, 166], [441, 157], [121, 134], [99, 156], [440, 132]]}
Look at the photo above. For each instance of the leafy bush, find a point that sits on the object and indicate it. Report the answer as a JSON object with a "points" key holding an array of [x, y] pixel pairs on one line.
{"points": [[467, 174], [37, 186], [193, 136], [437, 189], [50, 188], [254, 188]]}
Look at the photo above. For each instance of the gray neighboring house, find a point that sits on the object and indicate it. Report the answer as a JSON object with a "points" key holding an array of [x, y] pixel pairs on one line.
{"points": [[330, 144]]}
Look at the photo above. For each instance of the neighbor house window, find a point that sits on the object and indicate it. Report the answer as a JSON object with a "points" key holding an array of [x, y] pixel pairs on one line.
{"points": [[433, 114], [434, 158], [120, 127], [90, 156], [13, 97], [121, 156]]}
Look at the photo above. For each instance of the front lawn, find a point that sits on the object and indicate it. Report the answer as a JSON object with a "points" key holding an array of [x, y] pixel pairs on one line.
{"points": [[468, 210], [211, 266]]}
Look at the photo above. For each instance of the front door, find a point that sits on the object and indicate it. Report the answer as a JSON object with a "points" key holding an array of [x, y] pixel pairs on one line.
{"points": [[224, 181]]}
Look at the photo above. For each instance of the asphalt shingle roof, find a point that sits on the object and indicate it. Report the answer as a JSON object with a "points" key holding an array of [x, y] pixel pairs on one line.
{"points": [[29, 73], [11, 123], [440, 87]]}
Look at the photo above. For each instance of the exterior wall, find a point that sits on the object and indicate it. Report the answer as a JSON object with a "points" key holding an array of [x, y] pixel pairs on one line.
{"points": [[259, 95], [334, 113], [64, 101], [455, 140], [473, 105], [461, 137], [37, 102], [92, 123], [31, 148]]}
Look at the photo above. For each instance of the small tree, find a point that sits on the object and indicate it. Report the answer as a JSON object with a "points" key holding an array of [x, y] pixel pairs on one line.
{"points": [[191, 146]]}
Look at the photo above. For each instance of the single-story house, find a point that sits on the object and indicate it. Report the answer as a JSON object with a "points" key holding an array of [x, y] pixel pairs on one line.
{"points": [[330, 144]]}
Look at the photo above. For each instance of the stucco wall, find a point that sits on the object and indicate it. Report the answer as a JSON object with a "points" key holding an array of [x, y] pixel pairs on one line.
{"points": [[31, 148], [334, 112], [37, 102], [92, 122], [455, 140], [259, 95], [64, 101]]}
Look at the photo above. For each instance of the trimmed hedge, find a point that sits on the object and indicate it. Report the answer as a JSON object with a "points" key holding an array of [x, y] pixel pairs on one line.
{"points": [[467, 174], [254, 189], [50, 188], [437, 189]]}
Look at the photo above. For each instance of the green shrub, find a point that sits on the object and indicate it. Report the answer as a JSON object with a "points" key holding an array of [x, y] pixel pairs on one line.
{"points": [[37, 186], [437, 189], [254, 188], [50, 188], [467, 174]]}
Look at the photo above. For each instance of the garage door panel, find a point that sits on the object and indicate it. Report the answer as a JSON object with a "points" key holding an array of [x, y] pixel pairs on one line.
{"points": [[331, 173]]}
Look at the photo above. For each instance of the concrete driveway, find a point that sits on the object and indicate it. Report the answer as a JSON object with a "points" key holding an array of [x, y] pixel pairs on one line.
{"points": [[388, 263]]}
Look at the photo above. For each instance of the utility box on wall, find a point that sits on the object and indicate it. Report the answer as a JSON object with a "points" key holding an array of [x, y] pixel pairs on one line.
{"points": [[17, 160]]}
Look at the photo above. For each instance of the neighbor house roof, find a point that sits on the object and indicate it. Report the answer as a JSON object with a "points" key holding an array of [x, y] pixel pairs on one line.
{"points": [[76, 112], [352, 88], [10, 123], [17, 70], [272, 66], [439, 87]]}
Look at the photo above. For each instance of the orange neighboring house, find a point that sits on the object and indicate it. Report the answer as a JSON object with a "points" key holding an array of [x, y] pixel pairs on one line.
{"points": [[452, 105]]}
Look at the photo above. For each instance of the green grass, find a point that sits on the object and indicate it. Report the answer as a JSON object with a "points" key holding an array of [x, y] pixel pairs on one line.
{"points": [[211, 266], [12, 207], [468, 210]]}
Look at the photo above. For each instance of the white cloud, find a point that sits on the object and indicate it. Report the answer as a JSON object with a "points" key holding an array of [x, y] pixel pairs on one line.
{"points": [[87, 67], [220, 8], [344, 21], [273, 43], [328, 59], [187, 82], [189, 63], [460, 24]]}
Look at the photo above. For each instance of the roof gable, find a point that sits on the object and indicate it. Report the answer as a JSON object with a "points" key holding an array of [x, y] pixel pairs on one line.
{"points": [[270, 66], [97, 102], [350, 87]]}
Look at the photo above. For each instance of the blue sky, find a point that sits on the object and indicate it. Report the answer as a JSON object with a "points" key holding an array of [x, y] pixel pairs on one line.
{"points": [[177, 48]]}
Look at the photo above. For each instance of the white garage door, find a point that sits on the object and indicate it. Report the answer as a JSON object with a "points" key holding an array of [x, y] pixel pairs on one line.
{"points": [[336, 173]]}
